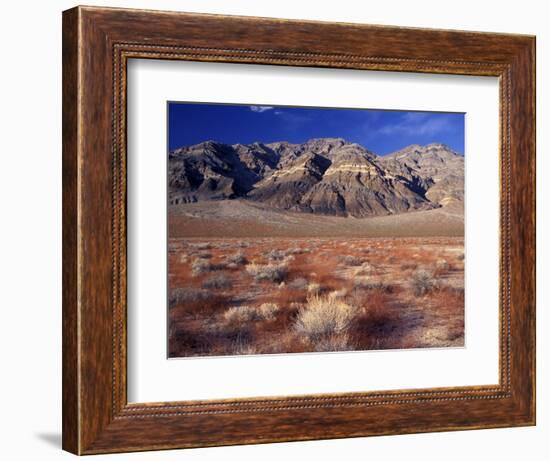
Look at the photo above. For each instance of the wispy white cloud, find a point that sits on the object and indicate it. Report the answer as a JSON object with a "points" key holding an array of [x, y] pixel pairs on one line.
{"points": [[294, 119], [260, 108], [418, 123]]}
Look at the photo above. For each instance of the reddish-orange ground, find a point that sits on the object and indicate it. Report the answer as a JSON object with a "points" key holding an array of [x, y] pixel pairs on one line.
{"points": [[231, 296]]}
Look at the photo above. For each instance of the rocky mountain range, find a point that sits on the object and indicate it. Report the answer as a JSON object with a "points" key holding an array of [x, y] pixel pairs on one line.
{"points": [[328, 176]]}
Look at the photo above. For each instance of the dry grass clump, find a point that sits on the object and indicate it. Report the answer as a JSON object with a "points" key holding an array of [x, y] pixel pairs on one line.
{"points": [[351, 261], [423, 282], [195, 303], [298, 251], [242, 347], [237, 259], [276, 255], [268, 310], [185, 295], [338, 294], [363, 283], [240, 314], [201, 266], [322, 317], [333, 343], [442, 265], [276, 273], [314, 288], [201, 246], [367, 284], [217, 282], [363, 270]]}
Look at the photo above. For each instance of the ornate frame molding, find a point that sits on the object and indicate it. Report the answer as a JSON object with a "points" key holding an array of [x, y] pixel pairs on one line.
{"points": [[98, 43]]}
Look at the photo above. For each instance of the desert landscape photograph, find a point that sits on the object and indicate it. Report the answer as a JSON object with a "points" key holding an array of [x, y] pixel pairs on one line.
{"points": [[310, 229]]}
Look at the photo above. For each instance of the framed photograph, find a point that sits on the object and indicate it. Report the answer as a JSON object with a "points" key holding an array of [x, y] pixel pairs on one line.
{"points": [[280, 230]]}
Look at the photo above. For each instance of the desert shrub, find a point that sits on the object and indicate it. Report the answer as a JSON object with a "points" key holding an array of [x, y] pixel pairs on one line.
{"points": [[276, 273], [442, 265], [217, 282], [237, 259], [351, 261], [268, 310], [298, 250], [331, 343], [201, 266], [200, 304], [322, 317], [314, 288], [243, 348], [240, 314], [366, 284], [460, 257], [457, 291], [423, 282], [296, 305], [202, 246], [183, 295], [298, 284], [276, 255], [242, 345], [363, 283], [338, 294], [204, 254], [364, 269]]}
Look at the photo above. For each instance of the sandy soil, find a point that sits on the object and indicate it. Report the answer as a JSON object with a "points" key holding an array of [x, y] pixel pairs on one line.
{"points": [[238, 218]]}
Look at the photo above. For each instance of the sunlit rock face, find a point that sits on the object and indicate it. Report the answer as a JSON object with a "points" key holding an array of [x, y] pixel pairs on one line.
{"points": [[329, 176]]}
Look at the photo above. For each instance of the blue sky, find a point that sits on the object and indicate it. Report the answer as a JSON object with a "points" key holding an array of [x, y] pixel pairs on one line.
{"points": [[380, 131]]}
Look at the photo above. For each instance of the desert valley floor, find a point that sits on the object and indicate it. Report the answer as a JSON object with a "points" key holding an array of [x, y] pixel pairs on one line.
{"points": [[244, 279]]}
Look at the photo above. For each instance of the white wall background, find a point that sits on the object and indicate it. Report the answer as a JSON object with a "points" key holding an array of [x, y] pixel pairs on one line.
{"points": [[30, 230]]}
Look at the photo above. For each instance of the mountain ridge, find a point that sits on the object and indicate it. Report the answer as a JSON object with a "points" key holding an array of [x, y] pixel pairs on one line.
{"points": [[328, 176]]}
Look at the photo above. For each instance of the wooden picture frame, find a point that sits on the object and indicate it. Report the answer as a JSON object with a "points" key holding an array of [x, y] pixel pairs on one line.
{"points": [[97, 43]]}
